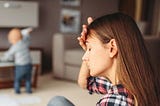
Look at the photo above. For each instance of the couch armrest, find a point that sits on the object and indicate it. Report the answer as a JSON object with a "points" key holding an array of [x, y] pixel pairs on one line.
{"points": [[60, 44], [153, 47], [58, 55]]}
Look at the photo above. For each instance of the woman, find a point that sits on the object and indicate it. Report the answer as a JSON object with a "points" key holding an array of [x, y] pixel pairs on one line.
{"points": [[116, 62], [126, 62]]}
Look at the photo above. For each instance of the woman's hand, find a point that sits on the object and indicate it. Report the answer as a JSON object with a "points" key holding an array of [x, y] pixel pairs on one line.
{"points": [[84, 32], [84, 71]]}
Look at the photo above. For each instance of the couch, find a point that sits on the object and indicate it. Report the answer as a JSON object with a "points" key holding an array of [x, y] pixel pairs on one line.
{"points": [[153, 47], [67, 55]]}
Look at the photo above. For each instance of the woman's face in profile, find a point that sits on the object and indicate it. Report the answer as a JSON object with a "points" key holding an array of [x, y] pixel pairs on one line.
{"points": [[97, 57]]}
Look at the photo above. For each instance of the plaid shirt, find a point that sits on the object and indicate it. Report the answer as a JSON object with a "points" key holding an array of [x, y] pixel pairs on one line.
{"points": [[114, 95]]}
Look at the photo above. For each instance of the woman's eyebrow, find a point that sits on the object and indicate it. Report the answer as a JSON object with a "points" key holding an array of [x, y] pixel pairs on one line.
{"points": [[86, 42]]}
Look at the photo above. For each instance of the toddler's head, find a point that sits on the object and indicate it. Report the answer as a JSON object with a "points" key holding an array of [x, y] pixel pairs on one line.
{"points": [[14, 35]]}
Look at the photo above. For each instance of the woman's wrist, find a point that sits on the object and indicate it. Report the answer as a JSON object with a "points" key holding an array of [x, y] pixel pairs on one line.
{"points": [[83, 75]]}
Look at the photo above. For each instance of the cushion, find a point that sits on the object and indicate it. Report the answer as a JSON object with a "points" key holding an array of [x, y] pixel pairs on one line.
{"points": [[71, 72], [73, 57]]}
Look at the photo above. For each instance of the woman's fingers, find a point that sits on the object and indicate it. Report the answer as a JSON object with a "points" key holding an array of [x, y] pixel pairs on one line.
{"points": [[84, 33], [82, 43], [89, 20]]}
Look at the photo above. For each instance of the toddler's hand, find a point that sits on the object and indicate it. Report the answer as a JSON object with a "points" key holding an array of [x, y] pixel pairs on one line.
{"points": [[82, 38], [26, 31]]}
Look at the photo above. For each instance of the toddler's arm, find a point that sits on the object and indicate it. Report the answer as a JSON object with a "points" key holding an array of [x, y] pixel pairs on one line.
{"points": [[8, 55], [26, 35], [26, 31]]}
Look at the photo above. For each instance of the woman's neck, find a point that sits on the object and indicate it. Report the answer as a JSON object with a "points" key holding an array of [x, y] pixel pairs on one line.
{"points": [[111, 73]]}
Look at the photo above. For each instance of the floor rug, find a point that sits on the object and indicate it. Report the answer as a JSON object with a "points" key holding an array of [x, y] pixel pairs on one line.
{"points": [[6, 100]]}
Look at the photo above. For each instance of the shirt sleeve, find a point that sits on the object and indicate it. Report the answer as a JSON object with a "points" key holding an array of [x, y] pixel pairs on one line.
{"points": [[9, 55], [99, 85], [26, 36]]}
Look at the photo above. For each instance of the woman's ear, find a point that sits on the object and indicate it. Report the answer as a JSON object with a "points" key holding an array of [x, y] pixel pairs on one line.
{"points": [[112, 48]]}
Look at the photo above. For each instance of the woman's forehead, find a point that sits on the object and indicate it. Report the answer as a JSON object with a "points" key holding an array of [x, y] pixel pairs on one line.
{"points": [[92, 39]]}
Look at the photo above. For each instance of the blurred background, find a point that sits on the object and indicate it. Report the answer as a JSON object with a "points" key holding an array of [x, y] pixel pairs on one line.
{"points": [[47, 19]]}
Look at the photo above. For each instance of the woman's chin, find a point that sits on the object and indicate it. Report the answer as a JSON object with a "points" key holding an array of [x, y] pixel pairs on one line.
{"points": [[93, 74], [96, 74]]}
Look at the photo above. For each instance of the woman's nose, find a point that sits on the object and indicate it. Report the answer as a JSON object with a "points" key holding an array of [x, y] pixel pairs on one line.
{"points": [[85, 57]]}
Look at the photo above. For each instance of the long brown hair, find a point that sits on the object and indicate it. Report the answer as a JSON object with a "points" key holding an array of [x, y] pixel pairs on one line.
{"points": [[134, 72]]}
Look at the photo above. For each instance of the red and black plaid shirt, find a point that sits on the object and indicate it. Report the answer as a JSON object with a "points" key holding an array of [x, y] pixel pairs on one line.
{"points": [[114, 95]]}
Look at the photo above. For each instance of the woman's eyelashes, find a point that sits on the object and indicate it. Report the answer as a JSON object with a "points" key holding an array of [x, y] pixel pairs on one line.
{"points": [[88, 48]]}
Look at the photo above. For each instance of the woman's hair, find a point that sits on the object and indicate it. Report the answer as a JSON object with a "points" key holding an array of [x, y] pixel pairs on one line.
{"points": [[134, 71]]}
